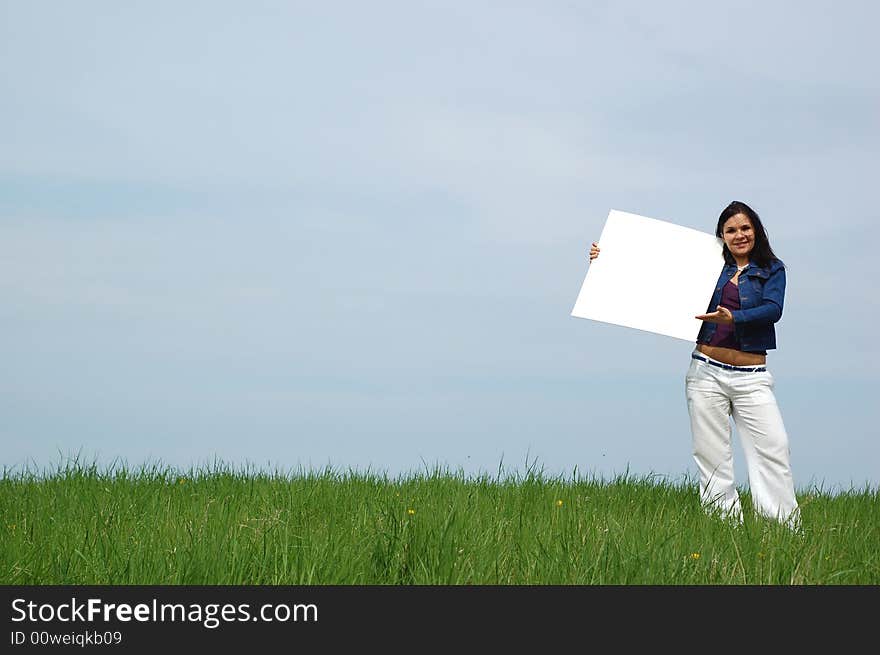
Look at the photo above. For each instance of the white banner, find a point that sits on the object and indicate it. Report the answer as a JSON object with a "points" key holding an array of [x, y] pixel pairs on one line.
{"points": [[651, 275]]}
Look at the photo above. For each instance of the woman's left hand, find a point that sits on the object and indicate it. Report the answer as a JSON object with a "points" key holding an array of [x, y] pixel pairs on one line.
{"points": [[722, 315]]}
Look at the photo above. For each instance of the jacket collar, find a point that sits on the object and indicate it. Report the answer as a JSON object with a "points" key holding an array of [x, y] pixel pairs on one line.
{"points": [[753, 269]]}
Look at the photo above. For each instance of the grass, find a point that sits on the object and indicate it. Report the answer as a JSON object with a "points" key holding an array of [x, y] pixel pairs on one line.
{"points": [[154, 525]]}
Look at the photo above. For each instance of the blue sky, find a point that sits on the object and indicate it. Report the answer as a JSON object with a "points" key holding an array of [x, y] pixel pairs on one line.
{"points": [[297, 235]]}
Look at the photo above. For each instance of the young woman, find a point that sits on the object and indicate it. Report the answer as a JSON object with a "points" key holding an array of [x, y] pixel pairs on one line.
{"points": [[728, 375]]}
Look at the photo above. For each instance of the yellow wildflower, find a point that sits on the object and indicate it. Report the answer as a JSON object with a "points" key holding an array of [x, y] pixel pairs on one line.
{"points": [[695, 556]]}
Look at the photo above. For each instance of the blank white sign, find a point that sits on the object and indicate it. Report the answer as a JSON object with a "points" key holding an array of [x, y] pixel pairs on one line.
{"points": [[651, 275]]}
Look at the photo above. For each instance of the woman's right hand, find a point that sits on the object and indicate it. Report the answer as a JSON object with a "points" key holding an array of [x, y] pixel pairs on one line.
{"points": [[594, 251]]}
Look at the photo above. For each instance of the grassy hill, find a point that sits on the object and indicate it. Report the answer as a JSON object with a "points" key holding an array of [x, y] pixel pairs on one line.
{"points": [[82, 525]]}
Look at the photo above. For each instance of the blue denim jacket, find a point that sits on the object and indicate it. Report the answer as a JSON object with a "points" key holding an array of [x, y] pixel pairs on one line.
{"points": [[761, 293]]}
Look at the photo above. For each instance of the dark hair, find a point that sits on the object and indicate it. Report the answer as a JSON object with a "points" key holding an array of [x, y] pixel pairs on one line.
{"points": [[762, 254]]}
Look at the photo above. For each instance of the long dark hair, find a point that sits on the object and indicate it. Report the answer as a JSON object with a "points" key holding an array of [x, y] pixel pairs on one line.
{"points": [[762, 254]]}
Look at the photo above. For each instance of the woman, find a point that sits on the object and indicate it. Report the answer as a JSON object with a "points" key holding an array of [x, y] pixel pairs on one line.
{"points": [[728, 375]]}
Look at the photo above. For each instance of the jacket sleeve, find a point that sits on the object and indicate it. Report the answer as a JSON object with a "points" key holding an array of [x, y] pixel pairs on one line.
{"points": [[770, 308]]}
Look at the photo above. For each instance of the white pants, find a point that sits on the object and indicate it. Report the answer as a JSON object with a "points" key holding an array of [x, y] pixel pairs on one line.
{"points": [[713, 396]]}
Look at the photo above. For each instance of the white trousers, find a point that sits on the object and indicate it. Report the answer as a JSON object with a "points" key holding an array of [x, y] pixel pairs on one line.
{"points": [[713, 396]]}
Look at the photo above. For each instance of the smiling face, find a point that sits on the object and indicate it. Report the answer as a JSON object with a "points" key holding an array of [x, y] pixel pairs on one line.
{"points": [[739, 236]]}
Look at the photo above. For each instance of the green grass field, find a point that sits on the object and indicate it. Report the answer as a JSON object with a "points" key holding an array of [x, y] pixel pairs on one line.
{"points": [[82, 525]]}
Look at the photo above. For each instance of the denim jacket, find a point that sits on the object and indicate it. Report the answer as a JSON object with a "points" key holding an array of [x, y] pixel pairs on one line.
{"points": [[761, 293]]}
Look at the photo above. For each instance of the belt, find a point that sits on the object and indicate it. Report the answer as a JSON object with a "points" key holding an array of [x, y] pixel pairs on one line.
{"points": [[728, 367]]}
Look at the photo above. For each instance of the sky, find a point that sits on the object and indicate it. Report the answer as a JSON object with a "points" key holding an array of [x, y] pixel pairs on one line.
{"points": [[297, 235]]}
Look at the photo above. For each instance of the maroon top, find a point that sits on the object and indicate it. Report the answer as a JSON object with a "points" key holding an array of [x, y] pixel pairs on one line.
{"points": [[724, 334]]}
